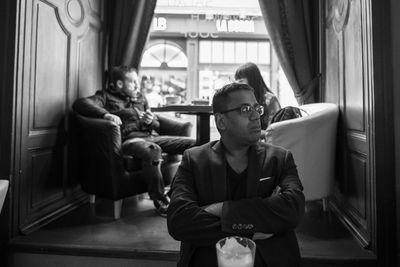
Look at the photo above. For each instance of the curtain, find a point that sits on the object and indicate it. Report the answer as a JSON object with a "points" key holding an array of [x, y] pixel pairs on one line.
{"points": [[293, 29], [130, 23]]}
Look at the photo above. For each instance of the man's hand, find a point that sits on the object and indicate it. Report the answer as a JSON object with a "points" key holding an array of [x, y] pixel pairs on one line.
{"points": [[263, 135], [113, 118], [214, 209], [147, 117]]}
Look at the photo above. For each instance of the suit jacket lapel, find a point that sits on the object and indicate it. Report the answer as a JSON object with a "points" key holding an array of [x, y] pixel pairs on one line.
{"points": [[218, 172], [254, 167]]}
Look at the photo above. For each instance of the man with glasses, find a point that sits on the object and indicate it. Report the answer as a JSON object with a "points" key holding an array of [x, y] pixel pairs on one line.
{"points": [[236, 186]]}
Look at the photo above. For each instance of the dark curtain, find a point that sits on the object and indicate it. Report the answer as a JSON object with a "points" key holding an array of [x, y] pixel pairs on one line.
{"points": [[130, 23], [293, 29]]}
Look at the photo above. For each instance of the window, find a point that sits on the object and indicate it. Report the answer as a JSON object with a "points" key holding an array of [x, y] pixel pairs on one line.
{"points": [[205, 52], [234, 52], [229, 51], [195, 47], [164, 55], [263, 57], [217, 52], [240, 52], [165, 64]]}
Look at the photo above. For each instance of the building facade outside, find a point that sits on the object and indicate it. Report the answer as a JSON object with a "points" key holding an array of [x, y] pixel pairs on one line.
{"points": [[195, 47]]}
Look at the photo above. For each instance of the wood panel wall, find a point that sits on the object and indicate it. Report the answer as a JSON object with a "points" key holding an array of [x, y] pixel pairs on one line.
{"points": [[358, 78], [347, 74], [395, 21], [7, 51], [60, 58]]}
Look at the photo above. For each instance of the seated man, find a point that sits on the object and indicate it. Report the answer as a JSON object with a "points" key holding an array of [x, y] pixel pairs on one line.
{"points": [[230, 188], [122, 103]]}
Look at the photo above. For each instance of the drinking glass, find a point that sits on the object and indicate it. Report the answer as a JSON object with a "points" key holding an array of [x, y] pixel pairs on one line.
{"points": [[235, 251]]}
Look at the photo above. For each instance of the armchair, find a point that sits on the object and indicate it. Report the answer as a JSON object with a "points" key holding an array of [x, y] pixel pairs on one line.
{"points": [[312, 140], [3, 192], [103, 169]]}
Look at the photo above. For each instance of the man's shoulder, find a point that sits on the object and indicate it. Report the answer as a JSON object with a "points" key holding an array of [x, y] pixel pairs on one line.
{"points": [[215, 146], [100, 93], [272, 149], [269, 96], [201, 149], [107, 94]]}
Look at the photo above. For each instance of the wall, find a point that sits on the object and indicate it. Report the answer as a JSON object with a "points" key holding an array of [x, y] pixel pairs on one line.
{"points": [[7, 51], [395, 22], [7, 31], [347, 73], [359, 78], [59, 56]]}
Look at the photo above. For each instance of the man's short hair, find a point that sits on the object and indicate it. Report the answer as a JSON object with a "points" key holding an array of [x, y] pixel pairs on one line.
{"points": [[221, 96], [119, 73]]}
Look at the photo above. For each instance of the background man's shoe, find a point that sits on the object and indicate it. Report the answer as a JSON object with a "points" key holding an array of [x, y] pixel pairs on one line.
{"points": [[161, 205]]}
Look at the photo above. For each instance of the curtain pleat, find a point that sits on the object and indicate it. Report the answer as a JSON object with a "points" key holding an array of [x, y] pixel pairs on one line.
{"points": [[130, 24], [290, 25]]}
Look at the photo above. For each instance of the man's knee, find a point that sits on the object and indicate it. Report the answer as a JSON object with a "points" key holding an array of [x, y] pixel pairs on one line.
{"points": [[155, 153], [145, 150]]}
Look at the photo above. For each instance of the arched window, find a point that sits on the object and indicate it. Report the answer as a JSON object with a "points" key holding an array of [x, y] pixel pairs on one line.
{"points": [[164, 55]]}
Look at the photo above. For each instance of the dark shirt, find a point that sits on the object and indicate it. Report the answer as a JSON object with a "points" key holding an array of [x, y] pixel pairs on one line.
{"points": [[236, 188], [236, 183]]}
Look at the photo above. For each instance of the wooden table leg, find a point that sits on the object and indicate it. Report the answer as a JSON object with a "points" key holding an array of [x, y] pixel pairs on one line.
{"points": [[203, 128]]}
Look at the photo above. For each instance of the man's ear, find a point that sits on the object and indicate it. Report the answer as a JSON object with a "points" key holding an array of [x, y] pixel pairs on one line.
{"points": [[119, 84], [220, 121]]}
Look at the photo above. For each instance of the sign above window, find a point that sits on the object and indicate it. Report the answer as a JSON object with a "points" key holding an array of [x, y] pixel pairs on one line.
{"points": [[159, 24], [234, 25]]}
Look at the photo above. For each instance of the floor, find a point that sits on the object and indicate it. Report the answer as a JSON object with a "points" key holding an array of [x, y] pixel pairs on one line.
{"points": [[142, 234]]}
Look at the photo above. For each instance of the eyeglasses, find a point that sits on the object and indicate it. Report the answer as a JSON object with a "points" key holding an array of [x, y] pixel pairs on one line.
{"points": [[246, 110]]}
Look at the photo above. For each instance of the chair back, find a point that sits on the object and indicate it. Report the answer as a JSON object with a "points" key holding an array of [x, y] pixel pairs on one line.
{"points": [[312, 140], [101, 165], [3, 192]]}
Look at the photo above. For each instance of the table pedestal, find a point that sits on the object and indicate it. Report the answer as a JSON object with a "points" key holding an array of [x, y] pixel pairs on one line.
{"points": [[202, 113], [203, 128]]}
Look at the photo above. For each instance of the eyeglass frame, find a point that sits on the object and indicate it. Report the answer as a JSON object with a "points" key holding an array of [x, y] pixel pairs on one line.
{"points": [[260, 107]]}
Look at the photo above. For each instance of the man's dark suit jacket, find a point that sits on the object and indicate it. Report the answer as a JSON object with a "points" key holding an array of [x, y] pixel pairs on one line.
{"points": [[201, 180]]}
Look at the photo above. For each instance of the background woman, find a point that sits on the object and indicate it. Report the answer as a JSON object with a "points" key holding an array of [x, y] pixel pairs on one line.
{"points": [[250, 74]]}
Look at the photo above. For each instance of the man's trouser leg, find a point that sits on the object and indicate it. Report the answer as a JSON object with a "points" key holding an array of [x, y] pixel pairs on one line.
{"points": [[150, 155], [173, 144]]}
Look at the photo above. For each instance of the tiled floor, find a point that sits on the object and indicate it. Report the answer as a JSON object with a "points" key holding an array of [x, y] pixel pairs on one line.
{"points": [[141, 233]]}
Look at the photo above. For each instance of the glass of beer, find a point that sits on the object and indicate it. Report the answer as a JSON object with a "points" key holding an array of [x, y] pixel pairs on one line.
{"points": [[235, 251]]}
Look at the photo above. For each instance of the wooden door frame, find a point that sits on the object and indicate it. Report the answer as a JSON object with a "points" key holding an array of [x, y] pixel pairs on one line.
{"points": [[381, 126]]}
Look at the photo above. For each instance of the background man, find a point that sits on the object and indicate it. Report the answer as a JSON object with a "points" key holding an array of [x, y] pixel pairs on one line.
{"points": [[229, 187], [123, 103]]}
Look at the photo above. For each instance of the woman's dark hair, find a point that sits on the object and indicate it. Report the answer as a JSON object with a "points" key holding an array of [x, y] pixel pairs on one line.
{"points": [[255, 80]]}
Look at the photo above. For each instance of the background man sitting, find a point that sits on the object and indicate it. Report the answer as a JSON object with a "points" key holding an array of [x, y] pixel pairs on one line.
{"points": [[122, 103]]}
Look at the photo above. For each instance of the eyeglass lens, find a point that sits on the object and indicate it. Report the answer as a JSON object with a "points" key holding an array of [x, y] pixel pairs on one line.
{"points": [[246, 109]]}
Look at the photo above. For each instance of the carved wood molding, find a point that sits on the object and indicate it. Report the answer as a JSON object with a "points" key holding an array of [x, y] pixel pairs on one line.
{"points": [[338, 14], [75, 15], [75, 12], [51, 37]]}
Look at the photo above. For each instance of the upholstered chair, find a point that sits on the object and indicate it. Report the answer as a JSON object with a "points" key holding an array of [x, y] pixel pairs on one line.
{"points": [[103, 169], [3, 192], [312, 140]]}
